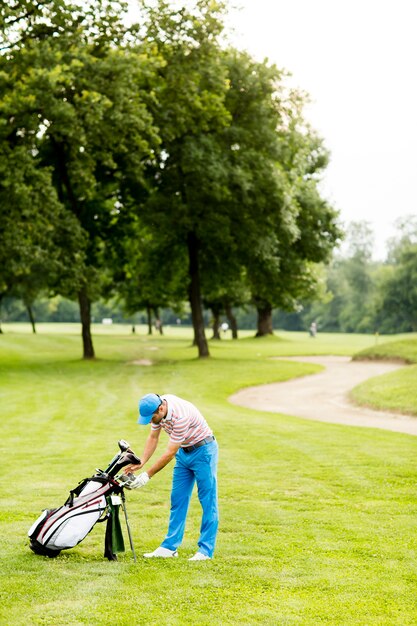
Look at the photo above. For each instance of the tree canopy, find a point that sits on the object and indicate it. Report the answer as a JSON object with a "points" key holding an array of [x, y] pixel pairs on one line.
{"points": [[74, 101]]}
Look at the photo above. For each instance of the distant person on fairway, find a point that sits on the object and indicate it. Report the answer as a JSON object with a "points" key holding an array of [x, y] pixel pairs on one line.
{"points": [[192, 443]]}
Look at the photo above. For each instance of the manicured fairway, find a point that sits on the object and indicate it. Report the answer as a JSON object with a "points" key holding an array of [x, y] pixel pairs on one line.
{"points": [[318, 521], [397, 391]]}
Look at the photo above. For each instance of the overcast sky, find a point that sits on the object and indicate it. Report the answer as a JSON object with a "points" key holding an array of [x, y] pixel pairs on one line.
{"points": [[357, 59]]}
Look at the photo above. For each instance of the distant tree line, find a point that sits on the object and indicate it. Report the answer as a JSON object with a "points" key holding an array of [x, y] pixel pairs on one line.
{"points": [[358, 295], [361, 295], [153, 164]]}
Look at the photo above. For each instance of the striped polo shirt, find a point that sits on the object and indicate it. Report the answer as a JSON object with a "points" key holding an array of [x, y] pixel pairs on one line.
{"points": [[183, 423]]}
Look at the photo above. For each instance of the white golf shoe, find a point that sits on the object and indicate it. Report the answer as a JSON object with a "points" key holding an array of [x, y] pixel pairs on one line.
{"points": [[162, 553], [199, 556]]}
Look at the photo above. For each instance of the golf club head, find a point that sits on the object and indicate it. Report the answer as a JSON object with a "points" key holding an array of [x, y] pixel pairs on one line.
{"points": [[125, 458], [123, 447]]}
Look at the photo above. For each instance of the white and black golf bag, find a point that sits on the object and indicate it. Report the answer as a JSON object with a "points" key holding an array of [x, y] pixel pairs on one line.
{"points": [[95, 499]]}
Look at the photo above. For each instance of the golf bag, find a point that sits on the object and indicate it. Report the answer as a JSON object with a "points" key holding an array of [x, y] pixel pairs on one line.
{"points": [[96, 499]]}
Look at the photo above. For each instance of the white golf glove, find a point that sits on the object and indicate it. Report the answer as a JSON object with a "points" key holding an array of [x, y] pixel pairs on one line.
{"points": [[138, 481]]}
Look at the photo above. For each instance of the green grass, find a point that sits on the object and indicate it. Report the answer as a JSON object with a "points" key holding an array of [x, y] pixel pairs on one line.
{"points": [[396, 391], [317, 520], [403, 350]]}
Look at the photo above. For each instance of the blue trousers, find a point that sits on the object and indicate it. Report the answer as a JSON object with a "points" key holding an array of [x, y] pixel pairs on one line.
{"points": [[198, 466]]}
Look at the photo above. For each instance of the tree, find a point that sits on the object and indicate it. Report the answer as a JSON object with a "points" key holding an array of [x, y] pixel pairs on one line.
{"points": [[224, 289], [76, 92], [348, 302], [139, 280], [357, 270], [406, 235], [186, 178], [234, 169], [284, 226], [398, 301], [34, 228]]}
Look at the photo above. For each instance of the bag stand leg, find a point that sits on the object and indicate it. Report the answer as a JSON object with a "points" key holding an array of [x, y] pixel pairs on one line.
{"points": [[127, 525]]}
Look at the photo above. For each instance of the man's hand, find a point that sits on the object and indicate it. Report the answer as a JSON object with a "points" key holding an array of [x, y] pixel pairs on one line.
{"points": [[138, 481], [129, 469]]}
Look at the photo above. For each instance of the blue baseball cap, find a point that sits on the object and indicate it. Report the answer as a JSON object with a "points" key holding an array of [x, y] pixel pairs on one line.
{"points": [[147, 407]]}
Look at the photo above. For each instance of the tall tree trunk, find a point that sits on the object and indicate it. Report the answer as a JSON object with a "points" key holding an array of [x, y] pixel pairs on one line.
{"points": [[158, 322], [216, 322], [149, 316], [195, 297], [264, 320], [232, 320], [31, 318], [85, 315]]}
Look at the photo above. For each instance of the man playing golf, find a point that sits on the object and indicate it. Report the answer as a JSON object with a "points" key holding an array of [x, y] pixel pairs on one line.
{"points": [[192, 443]]}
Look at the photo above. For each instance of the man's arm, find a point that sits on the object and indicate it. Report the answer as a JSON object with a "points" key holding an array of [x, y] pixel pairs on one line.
{"points": [[150, 447], [168, 455]]}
